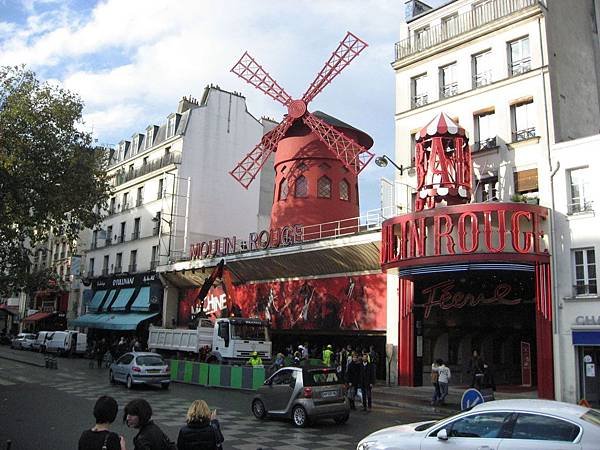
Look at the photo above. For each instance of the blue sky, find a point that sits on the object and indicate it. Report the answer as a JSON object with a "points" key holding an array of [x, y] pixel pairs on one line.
{"points": [[131, 61]]}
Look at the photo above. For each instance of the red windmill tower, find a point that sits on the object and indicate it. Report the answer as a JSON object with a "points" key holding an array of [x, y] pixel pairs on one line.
{"points": [[318, 158]]}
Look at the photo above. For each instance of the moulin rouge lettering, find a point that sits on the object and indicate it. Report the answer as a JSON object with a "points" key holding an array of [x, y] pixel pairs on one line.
{"points": [[442, 295]]}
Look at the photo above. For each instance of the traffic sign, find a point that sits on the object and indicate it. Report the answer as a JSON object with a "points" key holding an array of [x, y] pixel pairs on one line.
{"points": [[470, 398]]}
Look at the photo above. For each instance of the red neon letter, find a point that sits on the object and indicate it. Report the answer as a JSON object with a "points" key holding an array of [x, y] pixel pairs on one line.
{"points": [[516, 231], [462, 232], [487, 229], [438, 234]]}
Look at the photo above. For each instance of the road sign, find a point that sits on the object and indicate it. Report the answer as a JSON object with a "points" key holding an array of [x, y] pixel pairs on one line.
{"points": [[470, 398]]}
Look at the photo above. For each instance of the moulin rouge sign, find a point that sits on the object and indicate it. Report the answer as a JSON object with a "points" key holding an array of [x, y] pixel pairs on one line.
{"points": [[513, 229]]}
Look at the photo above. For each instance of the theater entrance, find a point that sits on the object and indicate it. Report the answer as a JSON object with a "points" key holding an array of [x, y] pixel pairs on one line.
{"points": [[492, 312]]}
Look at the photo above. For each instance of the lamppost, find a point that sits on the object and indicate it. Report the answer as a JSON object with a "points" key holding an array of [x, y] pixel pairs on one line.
{"points": [[383, 160]]}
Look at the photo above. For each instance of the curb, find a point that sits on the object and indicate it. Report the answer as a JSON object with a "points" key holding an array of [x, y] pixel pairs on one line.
{"points": [[444, 412], [31, 363]]}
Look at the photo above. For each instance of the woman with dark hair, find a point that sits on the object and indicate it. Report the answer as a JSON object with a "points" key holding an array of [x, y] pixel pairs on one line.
{"points": [[138, 414], [100, 437]]}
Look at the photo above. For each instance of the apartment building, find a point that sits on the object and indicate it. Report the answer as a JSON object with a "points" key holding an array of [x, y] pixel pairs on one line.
{"points": [[521, 77], [171, 187]]}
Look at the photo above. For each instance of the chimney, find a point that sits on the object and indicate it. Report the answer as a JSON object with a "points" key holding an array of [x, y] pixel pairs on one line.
{"points": [[186, 103], [412, 8]]}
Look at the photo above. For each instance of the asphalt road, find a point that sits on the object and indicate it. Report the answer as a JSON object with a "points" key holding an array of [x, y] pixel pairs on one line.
{"points": [[48, 409]]}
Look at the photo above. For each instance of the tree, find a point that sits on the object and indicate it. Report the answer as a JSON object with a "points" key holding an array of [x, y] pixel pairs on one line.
{"points": [[51, 177]]}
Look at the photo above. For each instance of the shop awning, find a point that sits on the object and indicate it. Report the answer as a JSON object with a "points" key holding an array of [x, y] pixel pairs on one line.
{"points": [[142, 301], [122, 299], [4, 307], [108, 321], [37, 317], [96, 300]]}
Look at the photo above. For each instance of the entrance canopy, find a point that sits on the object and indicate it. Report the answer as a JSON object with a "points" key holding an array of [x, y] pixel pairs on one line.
{"points": [[109, 321]]}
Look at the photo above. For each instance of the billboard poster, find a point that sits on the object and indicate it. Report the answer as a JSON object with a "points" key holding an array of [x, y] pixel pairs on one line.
{"points": [[339, 303]]}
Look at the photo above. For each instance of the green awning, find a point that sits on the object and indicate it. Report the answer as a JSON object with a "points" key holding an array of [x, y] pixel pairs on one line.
{"points": [[110, 321], [122, 299], [142, 301], [96, 300]]}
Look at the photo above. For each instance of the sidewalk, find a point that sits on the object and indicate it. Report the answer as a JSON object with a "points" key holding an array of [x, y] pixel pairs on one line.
{"points": [[419, 397]]}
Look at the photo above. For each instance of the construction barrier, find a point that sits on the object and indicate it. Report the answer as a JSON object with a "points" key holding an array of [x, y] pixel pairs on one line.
{"points": [[217, 375]]}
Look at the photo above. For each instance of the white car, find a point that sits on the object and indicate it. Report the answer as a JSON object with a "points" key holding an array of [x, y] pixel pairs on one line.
{"points": [[498, 425]]}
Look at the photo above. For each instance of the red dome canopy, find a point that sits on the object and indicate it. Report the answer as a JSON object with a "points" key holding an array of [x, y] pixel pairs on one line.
{"points": [[442, 124]]}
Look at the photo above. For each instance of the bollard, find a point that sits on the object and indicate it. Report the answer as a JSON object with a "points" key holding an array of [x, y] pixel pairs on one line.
{"points": [[54, 362], [8, 444], [47, 361]]}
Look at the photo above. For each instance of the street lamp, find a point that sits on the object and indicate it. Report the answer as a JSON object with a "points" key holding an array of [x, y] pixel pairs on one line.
{"points": [[159, 219], [383, 160]]}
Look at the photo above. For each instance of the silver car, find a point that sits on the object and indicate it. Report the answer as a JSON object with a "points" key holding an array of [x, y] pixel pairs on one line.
{"points": [[304, 395], [23, 341], [140, 368]]}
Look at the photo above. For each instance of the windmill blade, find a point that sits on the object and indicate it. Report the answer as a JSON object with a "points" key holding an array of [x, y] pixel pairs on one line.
{"points": [[354, 156], [248, 69], [348, 49], [247, 169]]}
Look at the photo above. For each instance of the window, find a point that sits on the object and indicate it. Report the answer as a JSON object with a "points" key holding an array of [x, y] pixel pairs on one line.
{"points": [[94, 239], [301, 187], [125, 204], [450, 26], [482, 69], [91, 268], [283, 189], [526, 181], [140, 196], [324, 188], [344, 190], [161, 186], [131, 168], [485, 425], [172, 123], [485, 135], [448, 84], [284, 378], [157, 220], [118, 262], [519, 56], [421, 37], [154, 260], [135, 144], [544, 428], [136, 229], [487, 189], [483, 11], [105, 265], [121, 237], [111, 208], [579, 190], [523, 121], [419, 90], [149, 137], [133, 261], [109, 232], [584, 263]]}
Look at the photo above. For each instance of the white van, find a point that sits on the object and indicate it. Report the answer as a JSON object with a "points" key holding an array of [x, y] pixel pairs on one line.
{"points": [[66, 342], [40, 343]]}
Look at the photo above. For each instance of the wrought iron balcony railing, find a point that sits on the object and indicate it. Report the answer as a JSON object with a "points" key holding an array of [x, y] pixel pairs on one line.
{"points": [[486, 144], [419, 100], [521, 66], [151, 166], [464, 23], [482, 79], [132, 268], [449, 90], [580, 206], [523, 135]]}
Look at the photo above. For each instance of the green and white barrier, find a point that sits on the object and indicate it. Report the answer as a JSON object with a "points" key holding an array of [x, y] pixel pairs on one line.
{"points": [[217, 375]]}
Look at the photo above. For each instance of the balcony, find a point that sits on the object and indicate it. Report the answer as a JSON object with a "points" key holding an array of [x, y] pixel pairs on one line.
{"points": [[482, 79], [108, 242], [419, 100], [120, 239], [152, 166], [135, 235], [486, 144], [125, 206], [470, 21], [139, 202], [580, 206], [521, 66], [132, 268], [523, 135], [118, 269], [93, 246], [449, 90], [105, 272]]}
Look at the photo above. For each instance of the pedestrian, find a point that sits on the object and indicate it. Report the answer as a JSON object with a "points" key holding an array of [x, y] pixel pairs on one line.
{"points": [[121, 347], [367, 380], [305, 354], [436, 385], [255, 360], [476, 370], [99, 437], [202, 430], [342, 363], [353, 376], [297, 357], [100, 349], [138, 414], [278, 363], [444, 376], [327, 355]]}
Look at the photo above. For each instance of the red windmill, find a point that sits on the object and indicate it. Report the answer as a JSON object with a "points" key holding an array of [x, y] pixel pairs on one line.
{"points": [[317, 158]]}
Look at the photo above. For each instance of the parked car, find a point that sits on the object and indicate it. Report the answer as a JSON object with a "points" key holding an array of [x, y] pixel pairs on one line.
{"points": [[498, 425], [140, 368], [39, 344], [23, 341], [66, 342], [303, 395]]}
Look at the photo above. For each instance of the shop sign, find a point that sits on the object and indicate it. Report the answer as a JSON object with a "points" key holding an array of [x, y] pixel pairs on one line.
{"points": [[126, 281], [587, 320], [278, 237], [465, 229], [444, 296]]}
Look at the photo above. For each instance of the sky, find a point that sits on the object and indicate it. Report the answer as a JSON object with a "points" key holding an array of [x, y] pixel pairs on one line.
{"points": [[131, 61]]}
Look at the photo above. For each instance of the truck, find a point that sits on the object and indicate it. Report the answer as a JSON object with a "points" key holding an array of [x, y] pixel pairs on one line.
{"points": [[229, 340]]}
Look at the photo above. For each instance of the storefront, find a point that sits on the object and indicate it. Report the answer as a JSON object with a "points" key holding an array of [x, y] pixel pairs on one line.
{"points": [[126, 304]]}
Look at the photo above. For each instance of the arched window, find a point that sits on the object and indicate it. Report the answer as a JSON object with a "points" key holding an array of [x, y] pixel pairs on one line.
{"points": [[283, 189], [344, 190], [301, 188], [324, 187]]}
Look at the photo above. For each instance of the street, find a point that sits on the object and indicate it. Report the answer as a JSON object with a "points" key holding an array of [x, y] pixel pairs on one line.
{"points": [[48, 409]]}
